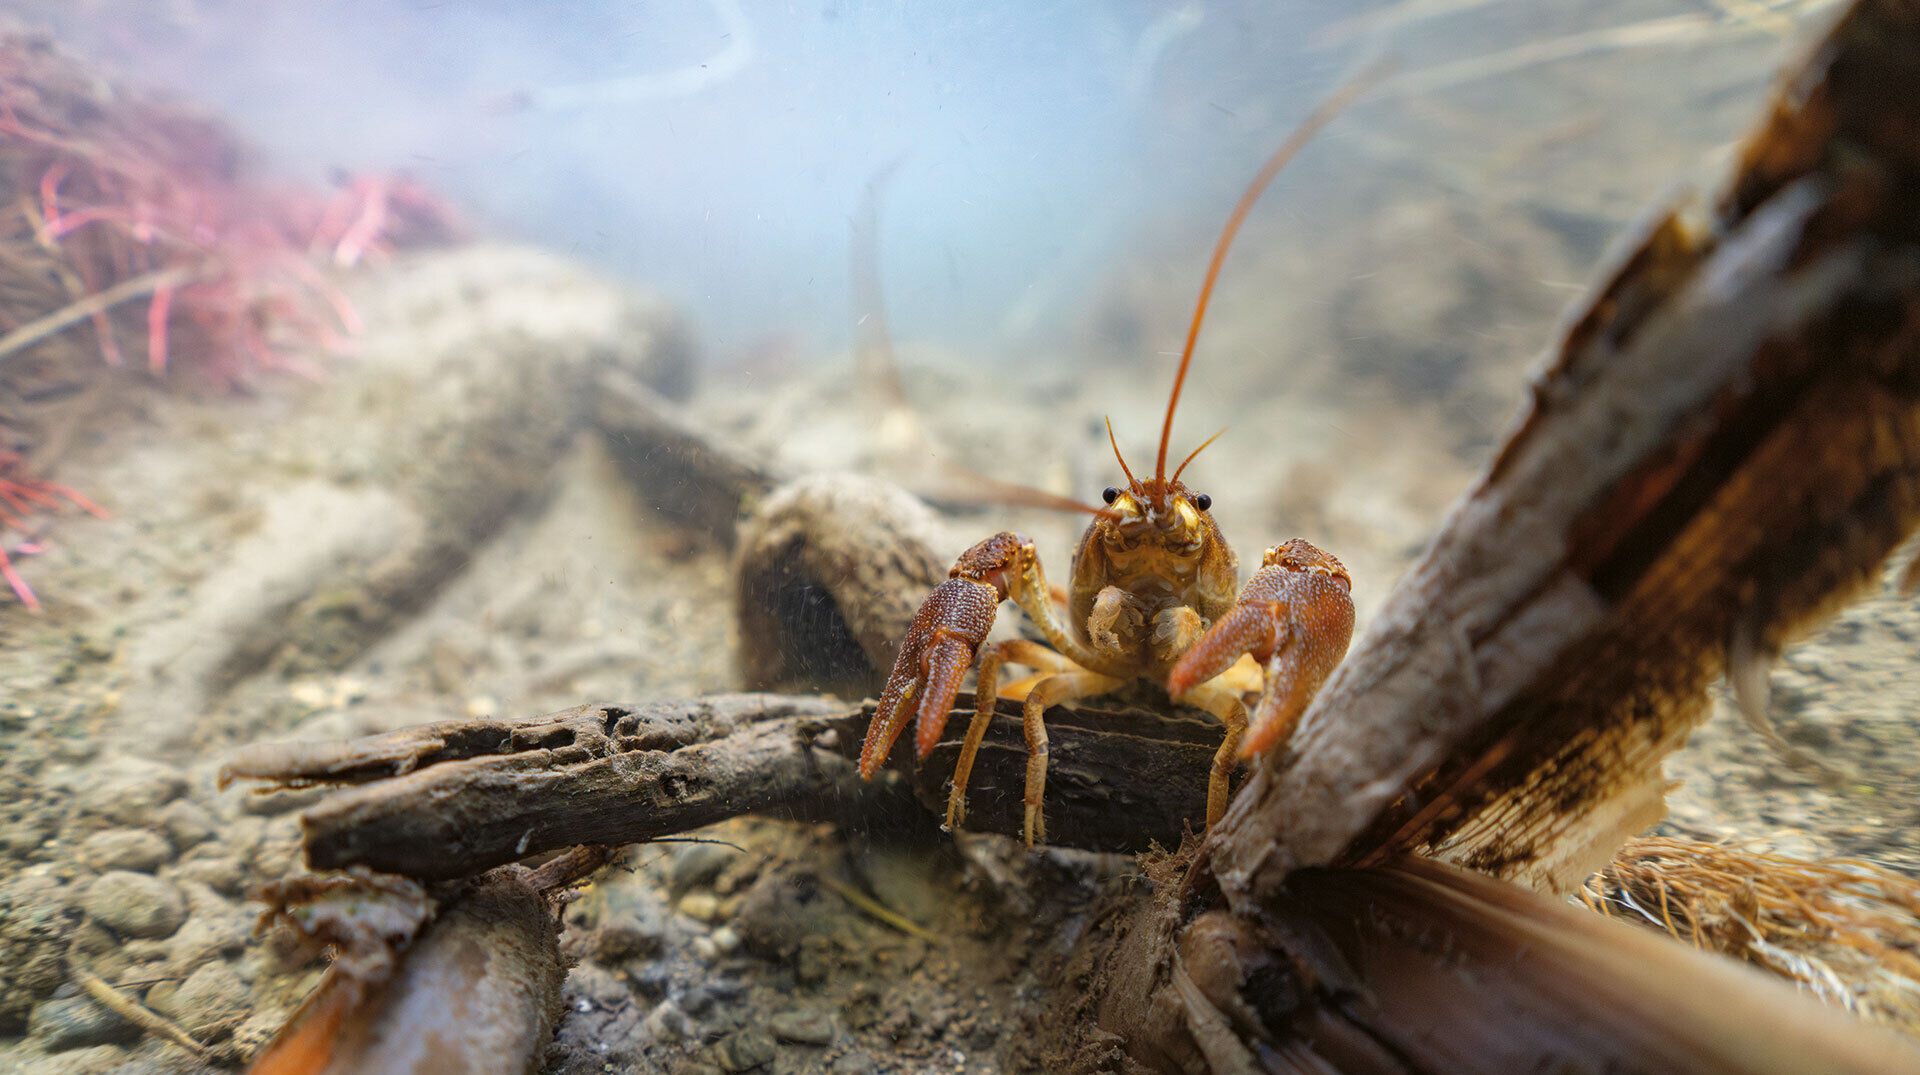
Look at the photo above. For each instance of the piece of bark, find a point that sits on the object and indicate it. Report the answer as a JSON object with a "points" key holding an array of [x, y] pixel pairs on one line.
{"points": [[451, 799], [477, 990]]}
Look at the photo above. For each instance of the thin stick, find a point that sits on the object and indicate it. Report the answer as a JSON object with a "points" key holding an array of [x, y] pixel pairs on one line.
{"points": [[133, 1011], [569, 867], [863, 902], [92, 305]]}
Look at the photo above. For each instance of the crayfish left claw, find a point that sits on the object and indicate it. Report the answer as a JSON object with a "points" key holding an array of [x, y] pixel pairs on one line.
{"points": [[941, 644], [1295, 615]]}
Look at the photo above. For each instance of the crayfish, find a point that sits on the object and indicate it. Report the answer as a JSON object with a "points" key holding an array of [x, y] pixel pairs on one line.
{"points": [[1151, 598]]}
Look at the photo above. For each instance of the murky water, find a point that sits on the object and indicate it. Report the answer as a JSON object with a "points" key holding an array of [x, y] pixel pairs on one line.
{"points": [[369, 481]]}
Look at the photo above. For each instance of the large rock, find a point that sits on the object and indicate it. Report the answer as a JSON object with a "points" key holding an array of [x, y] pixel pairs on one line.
{"points": [[135, 904]]}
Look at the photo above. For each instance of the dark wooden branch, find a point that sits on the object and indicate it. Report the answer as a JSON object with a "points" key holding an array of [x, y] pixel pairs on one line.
{"points": [[453, 798]]}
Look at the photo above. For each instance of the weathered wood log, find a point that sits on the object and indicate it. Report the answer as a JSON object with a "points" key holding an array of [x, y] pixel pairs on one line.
{"points": [[453, 798], [470, 985]]}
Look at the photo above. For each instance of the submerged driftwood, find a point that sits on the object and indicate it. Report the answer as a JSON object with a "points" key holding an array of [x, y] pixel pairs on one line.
{"points": [[453, 798]]}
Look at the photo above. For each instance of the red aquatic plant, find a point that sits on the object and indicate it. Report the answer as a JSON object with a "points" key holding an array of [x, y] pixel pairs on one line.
{"points": [[134, 221], [22, 496]]}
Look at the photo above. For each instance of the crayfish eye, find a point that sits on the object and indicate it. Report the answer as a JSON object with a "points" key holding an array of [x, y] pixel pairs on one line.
{"points": [[1203, 502], [1109, 494]]}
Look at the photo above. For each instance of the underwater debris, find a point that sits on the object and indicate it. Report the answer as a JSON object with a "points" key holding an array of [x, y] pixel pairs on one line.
{"points": [[470, 981], [1842, 929], [452, 798]]}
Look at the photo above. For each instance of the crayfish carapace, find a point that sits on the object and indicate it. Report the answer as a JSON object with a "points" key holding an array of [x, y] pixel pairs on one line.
{"points": [[1151, 599]]}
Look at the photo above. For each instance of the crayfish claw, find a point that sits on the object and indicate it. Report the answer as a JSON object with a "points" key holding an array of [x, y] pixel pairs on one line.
{"points": [[941, 644], [1295, 616]]}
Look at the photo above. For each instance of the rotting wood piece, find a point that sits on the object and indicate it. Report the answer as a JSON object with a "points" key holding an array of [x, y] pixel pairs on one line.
{"points": [[467, 982], [453, 798]]}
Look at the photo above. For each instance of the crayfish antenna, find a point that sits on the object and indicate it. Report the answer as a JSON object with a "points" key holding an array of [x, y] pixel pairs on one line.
{"points": [[1177, 471], [1317, 119], [1132, 482]]}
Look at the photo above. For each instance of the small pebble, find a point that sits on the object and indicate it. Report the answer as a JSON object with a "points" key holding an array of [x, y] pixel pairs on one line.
{"points": [[853, 1064], [127, 849], [726, 940], [627, 920], [700, 998], [697, 864], [668, 1023], [85, 1060], [71, 1022], [135, 904], [277, 858], [243, 835], [651, 979], [625, 939], [76, 751], [223, 873], [210, 996], [139, 950], [208, 935], [744, 1050], [187, 823], [22, 838], [805, 1027], [596, 985], [704, 906]]}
